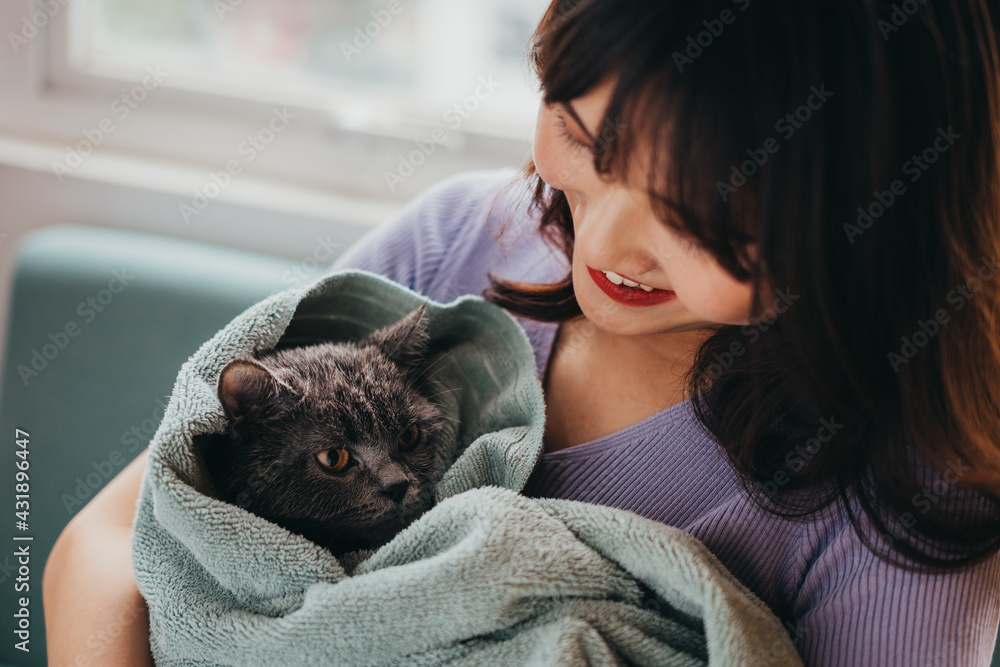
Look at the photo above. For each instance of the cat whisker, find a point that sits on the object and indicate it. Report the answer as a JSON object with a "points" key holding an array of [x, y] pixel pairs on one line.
{"points": [[439, 360], [430, 377], [446, 391]]}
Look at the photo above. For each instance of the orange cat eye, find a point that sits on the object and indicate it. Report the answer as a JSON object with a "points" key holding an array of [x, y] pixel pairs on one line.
{"points": [[409, 438], [326, 459]]}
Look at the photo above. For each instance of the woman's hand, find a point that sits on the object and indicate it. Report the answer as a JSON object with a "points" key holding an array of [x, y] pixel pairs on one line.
{"points": [[94, 613]]}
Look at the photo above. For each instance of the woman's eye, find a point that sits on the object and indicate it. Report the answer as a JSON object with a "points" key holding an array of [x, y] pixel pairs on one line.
{"points": [[408, 439], [334, 460], [686, 242], [565, 134]]}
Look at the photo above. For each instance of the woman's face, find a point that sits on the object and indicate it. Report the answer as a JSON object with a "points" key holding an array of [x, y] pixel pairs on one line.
{"points": [[616, 230]]}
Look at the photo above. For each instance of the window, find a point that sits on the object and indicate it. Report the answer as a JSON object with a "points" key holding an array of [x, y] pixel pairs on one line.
{"points": [[379, 98], [418, 49]]}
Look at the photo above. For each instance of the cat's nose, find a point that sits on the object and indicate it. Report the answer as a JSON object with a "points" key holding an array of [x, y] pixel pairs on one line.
{"points": [[395, 492]]}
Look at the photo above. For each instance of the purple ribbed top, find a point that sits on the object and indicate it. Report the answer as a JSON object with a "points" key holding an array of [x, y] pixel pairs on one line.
{"points": [[841, 605]]}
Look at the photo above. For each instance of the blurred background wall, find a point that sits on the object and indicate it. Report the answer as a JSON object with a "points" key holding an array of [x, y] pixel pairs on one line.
{"points": [[264, 125]]}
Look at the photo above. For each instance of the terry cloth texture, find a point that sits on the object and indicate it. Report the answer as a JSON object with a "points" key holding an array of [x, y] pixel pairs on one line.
{"points": [[485, 577]]}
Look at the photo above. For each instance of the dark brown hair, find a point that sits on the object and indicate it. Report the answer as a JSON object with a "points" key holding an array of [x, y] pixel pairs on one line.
{"points": [[877, 206]]}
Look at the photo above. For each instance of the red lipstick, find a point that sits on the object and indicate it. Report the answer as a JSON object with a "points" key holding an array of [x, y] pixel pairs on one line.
{"points": [[630, 296]]}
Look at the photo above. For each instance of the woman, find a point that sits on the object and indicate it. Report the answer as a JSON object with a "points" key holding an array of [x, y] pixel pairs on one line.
{"points": [[762, 291]]}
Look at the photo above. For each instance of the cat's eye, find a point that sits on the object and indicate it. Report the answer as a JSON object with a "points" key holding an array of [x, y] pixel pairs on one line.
{"points": [[409, 438], [334, 460]]}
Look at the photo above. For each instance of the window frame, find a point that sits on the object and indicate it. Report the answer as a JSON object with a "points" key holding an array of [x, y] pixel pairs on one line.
{"points": [[338, 144]]}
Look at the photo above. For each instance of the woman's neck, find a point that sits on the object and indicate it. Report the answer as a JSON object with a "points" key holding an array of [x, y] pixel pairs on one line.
{"points": [[650, 360], [598, 383]]}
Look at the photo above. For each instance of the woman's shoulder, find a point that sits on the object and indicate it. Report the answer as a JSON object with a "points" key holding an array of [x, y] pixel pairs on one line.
{"points": [[427, 245], [451, 204], [852, 607], [841, 603]]}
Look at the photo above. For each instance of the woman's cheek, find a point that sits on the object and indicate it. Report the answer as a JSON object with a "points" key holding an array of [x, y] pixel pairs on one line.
{"points": [[563, 168], [546, 168], [546, 155], [713, 295]]}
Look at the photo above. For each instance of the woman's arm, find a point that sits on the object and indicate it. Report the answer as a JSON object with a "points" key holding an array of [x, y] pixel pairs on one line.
{"points": [[94, 613], [854, 609], [414, 247]]}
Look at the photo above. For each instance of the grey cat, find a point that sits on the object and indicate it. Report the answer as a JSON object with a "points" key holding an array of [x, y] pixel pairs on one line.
{"points": [[338, 442]]}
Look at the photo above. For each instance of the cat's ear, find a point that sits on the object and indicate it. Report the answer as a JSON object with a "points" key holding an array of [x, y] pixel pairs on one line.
{"points": [[248, 390], [406, 341]]}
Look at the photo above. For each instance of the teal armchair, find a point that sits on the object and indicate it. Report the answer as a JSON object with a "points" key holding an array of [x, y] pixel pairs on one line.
{"points": [[100, 322]]}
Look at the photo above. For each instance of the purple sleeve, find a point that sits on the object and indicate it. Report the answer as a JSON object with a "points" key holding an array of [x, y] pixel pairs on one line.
{"points": [[411, 247], [855, 610]]}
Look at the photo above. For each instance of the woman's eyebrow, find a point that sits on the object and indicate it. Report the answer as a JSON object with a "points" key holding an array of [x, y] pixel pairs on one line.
{"points": [[572, 112]]}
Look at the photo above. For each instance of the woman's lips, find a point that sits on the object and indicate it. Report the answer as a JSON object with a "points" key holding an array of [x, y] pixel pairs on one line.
{"points": [[630, 296]]}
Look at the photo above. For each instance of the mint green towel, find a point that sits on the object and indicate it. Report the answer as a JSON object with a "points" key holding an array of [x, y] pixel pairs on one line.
{"points": [[485, 577]]}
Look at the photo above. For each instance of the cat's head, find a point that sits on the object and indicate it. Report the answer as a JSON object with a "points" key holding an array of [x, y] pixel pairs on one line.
{"points": [[335, 441]]}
